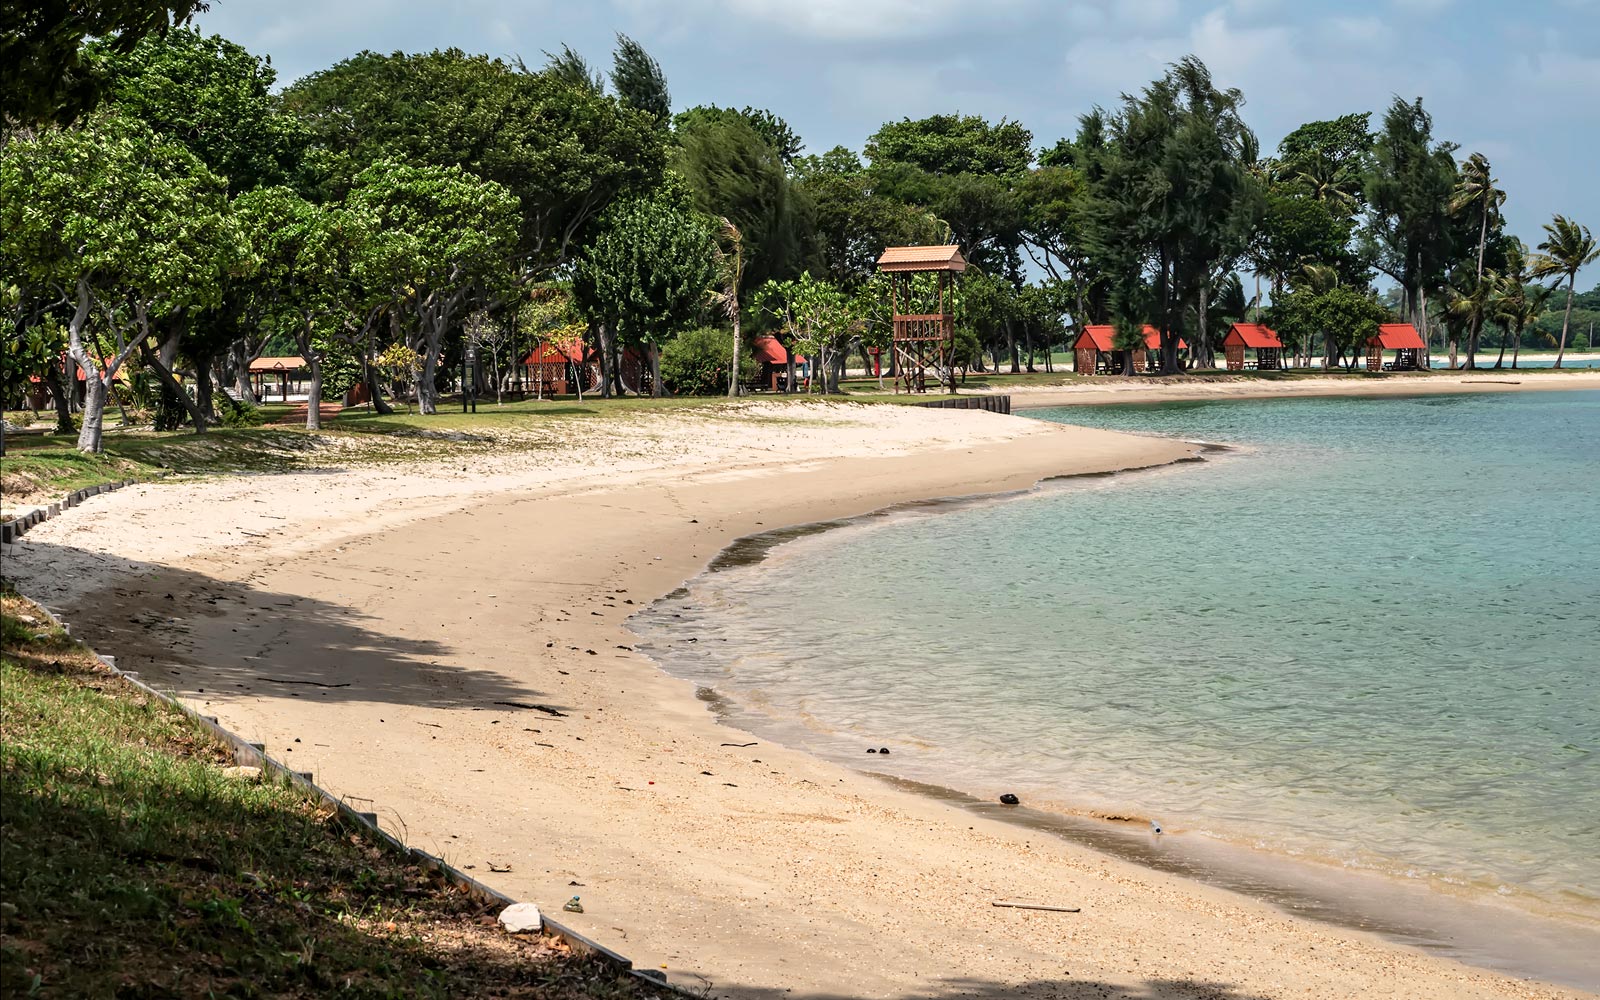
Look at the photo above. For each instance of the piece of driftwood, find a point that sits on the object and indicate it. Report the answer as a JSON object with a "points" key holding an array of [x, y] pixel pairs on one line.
{"points": [[1038, 906]]}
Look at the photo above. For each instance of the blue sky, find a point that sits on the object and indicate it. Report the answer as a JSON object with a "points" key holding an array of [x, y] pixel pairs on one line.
{"points": [[1519, 82]]}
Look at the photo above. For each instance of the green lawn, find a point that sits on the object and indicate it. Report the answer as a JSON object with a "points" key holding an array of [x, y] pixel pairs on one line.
{"points": [[135, 868]]}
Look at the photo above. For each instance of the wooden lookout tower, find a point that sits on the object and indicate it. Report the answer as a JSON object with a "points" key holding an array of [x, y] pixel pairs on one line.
{"points": [[922, 340]]}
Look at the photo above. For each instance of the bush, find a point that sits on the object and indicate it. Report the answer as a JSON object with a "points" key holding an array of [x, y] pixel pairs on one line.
{"points": [[695, 363], [237, 413]]}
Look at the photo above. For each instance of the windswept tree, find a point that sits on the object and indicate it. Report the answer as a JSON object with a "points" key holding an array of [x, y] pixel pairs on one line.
{"points": [[729, 286], [645, 276], [1409, 187], [127, 228], [1476, 195], [1567, 249], [639, 81], [440, 237], [731, 172], [1517, 302]]}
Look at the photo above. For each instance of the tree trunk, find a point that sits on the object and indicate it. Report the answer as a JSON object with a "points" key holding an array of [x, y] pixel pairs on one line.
{"points": [[1202, 345], [241, 372], [1516, 348], [1011, 348], [655, 370], [165, 376], [91, 436], [426, 395], [1566, 320], [314, 397], [733, 373], [58, 381]]}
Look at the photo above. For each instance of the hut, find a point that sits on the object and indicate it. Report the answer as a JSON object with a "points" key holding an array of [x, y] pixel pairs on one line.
{"points": [[549, 369], [772, 358], [283, 370], [1094, 353], [1256, 337], [1403, 339]]}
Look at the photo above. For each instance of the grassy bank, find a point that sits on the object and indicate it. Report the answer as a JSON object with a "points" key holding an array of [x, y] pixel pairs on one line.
{"points": [[134, 867]]}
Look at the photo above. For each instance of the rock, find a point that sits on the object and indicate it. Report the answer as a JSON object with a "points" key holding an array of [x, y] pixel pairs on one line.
{"points": [[242, 772], [1009, 800], [883, 750], [521, 918]]}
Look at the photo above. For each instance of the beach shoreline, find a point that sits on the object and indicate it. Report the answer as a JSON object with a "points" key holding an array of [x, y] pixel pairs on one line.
{"points": [[417, 646]]}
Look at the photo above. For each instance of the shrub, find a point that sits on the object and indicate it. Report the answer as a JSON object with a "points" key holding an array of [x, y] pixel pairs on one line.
{"points": [[695, 363], [237, 413]]}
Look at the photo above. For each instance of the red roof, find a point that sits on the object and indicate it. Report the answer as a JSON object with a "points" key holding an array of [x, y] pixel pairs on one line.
{"points": [[1397, 337], [1252, 335], [550, 354], [1101, 337], [769, 351]]}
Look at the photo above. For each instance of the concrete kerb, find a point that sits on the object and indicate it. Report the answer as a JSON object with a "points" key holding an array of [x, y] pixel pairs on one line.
{"points": [[18, 526], [253, 754]]}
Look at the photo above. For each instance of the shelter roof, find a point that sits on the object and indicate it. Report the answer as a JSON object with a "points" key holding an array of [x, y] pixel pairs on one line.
{"points": [[550, 354], [284, 364], [1253, 335], [1397, 337], [940, 258], [1103, 336], [769, 351]]}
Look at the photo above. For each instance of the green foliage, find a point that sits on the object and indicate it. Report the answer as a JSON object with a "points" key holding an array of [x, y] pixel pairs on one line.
{"points": [[954, 144], [647, 273], [28, 353], [639, 81], [238, 413], [563, 152], [573, 70], [48, 76], [1342, 318], [733, 173], [774, 130], [851, 220], [214, 97], [696, 362], [1408, 188]]}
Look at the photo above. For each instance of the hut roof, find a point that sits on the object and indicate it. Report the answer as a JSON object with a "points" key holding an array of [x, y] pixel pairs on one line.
{"points": [[940, 258], [293, 362], [550, 354], [1397, 337], [1101, 338], [769, 351], [1253, 335]]}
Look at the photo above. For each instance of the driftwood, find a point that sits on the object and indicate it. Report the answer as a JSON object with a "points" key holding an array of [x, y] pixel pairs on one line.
{"points": [[276, 680], [1039, 906]]}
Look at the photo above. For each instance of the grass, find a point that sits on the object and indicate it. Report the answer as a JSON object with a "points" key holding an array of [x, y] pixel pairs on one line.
{"points": [[133, 867]]}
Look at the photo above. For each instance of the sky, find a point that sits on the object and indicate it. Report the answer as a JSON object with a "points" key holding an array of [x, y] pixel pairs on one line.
{"points": [[1518, 82]]}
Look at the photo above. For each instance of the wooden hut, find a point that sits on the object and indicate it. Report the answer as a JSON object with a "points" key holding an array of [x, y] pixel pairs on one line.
{"points": [[1094, 353], [1403, 339], [549, 369], [773, 360], [1256, 337]]}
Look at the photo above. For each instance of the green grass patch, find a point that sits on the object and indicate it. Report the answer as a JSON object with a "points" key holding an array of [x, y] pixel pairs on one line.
{"points": [[135, 868]]}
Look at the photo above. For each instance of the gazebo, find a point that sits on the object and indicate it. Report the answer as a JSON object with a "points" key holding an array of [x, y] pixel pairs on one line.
{"points": [[292, 366], [549, 369], [1403, 339], [921, 340], [1257, 337], [1094, 353]]}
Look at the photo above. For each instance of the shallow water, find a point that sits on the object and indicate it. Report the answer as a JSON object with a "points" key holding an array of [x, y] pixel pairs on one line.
{"points": [[1368, 638]]}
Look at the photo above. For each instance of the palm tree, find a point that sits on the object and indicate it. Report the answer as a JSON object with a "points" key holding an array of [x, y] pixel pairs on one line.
{"points": [[1471, 304], [1567, 249], [725, 294], [1334, 184], [1509, 301], [1476, 191]]}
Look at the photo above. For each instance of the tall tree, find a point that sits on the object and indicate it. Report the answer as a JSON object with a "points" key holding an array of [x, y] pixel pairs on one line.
{"points": [[767, 125], [1408, 189], [732, 172], [639, 81], [572, 69], [46, 73], [1477, 195], [128, 227], [645, 276], [1567, 248], [725, 293], [442, 238], [851, 220], [1517, 302]]}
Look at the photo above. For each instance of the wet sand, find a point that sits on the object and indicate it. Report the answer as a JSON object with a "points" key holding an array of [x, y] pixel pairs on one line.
{"points": [[450, 651]]}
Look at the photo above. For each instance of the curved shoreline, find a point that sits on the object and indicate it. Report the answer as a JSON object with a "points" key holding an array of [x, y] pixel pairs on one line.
{"points": [[855, 887], [1467, 929]]}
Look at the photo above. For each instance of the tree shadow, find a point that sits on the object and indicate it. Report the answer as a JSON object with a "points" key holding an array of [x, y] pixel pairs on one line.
{"points": [[1062, 988], [199, 637]]}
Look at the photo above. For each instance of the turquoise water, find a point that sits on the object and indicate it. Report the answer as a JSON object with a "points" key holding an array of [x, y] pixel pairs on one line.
{"points": [[1369, 637]]}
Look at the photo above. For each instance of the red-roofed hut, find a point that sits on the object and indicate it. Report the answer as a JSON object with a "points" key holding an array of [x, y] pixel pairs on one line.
{"points": [[1257, 337], [1403, 339], [550, 369], [773, 358], [1094, 353]]}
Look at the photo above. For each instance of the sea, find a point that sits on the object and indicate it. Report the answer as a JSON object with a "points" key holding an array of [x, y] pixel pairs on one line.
{"points": [[1361, 638]]}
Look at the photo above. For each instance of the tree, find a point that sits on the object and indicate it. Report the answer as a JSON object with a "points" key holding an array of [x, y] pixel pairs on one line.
{"points": [[563, 152], [816, 317], [733, 173], [1476, 194], [118, 220], [440, 237], [771, 128], [851, 220], [954, 144], [639, 81], [1516, 302], [645, 276], [47, 75], [573, 70], [1567, 248], [1408, 188], [725, 293]]}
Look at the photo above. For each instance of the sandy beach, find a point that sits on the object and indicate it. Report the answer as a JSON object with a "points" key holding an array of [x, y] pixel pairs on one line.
{"points": [[448, 644]]}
